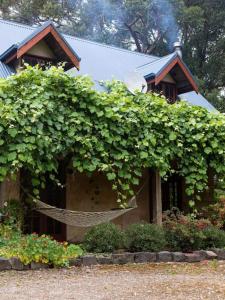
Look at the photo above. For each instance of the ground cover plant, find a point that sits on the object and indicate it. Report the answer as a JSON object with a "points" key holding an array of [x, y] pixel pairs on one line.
{"points": [[34, 248]]}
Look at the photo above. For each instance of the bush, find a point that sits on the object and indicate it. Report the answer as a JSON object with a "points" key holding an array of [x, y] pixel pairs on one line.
{"points": [[103, 238], [144, 237], [214, 238], [184, 232], [12, 214], [184, 237], [216, 212], [35, 248]]}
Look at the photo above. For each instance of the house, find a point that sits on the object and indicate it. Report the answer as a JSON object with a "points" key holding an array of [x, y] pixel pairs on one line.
{"points": [[168, 74]]}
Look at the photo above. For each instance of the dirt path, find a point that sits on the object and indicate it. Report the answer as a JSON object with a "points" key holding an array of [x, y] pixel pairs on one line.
{"points": [[152, 281]]}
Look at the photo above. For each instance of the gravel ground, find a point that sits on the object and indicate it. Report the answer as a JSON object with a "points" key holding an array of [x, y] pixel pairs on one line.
{"points": [[148, 281]]}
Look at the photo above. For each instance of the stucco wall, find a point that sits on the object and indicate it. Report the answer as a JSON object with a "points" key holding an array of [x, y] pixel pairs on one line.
{"points": [[95, 194], [41, 49], [9, 189]]}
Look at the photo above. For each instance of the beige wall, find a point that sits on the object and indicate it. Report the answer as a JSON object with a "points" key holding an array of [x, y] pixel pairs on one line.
{"points": [[169, 78], [9, 189], [95, 194], [42, 50]]}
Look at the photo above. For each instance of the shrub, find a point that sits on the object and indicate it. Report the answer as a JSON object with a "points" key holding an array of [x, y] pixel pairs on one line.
{"points": [[214, 238], [103, 238], [144, 237], [216, 212], [35, 248], [184, 232], [184, 237], [12, 214]]}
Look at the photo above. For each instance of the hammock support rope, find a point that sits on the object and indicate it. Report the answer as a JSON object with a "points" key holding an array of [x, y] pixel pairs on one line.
{"points": [[83, 218]]}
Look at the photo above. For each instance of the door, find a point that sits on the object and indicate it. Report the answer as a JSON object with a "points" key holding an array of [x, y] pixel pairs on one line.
{"points": [[52, 195], [172, 193]]}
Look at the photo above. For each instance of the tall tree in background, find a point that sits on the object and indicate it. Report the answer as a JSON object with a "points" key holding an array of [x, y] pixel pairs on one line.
{"points": [[148, 26]]}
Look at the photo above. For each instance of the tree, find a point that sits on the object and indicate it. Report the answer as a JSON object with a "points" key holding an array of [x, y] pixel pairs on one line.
{"points": [[33, 12]]}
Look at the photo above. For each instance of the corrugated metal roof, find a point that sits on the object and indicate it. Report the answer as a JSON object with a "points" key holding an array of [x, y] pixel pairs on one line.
{"points": [[155, 67], [5, 70], [100, 61], [198, 100]]}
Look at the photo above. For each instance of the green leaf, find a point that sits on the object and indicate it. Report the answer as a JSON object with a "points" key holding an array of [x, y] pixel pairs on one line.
{"points": [[12, 132], [172, 136], [143, 154], [111, 176]]}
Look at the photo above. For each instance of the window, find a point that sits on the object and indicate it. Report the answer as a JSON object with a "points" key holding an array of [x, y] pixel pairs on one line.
{"points": [[34, 60], [169, 90]]}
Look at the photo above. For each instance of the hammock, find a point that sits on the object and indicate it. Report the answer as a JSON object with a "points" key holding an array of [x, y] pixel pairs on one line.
{"points": [[82, 218]]}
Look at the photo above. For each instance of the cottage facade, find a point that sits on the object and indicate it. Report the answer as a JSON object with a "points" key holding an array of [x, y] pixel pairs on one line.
{"points": [[168, 75]]}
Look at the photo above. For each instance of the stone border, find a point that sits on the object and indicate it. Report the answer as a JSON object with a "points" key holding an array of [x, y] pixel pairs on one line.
{"points": [[121, 259], [15, 264], [148, 257]]}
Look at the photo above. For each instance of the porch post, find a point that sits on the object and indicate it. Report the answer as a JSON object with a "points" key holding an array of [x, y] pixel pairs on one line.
{"points": [[156, 199]]}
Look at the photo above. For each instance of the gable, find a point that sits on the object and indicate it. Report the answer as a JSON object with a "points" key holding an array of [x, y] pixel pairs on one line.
{"points": [[44, 38], [41, 49], [170, 66]]}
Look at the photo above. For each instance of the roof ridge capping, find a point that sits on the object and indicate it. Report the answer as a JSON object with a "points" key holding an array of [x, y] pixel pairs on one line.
{"points": [[173, 55], [34, 28], [110, 46], [17, 24]]}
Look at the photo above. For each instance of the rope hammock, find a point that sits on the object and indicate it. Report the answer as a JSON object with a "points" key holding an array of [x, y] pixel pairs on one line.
{"points": [[82, 218]]}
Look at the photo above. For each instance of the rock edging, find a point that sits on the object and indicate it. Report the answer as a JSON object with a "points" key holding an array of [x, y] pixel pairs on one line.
{"points": [[120, 259], [148, 257]]}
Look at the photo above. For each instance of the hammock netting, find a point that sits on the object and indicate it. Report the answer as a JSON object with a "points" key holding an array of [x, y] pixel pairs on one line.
{"points": [[85, 218], [82, 218]]}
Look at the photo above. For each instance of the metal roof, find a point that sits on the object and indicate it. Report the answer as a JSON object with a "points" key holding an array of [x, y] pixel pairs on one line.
{"points": [[198, 100], [99, 61], [155, 67], [5, 70]]}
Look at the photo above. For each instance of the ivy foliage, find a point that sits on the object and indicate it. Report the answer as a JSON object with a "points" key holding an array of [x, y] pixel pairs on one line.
{"points": [[47, 116]]}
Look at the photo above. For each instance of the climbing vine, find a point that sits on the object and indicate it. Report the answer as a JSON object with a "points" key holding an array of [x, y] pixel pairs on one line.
{"points": [[48, 116]]}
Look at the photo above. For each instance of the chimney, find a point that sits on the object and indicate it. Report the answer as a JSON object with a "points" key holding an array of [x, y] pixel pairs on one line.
{"points": [[177, 46]]}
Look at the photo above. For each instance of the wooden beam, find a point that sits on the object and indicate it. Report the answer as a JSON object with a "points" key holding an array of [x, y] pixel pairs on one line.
{"points": [[37, 38], [9, 59], [31, 43], [178, 61], [66, 49], [156, 198]]}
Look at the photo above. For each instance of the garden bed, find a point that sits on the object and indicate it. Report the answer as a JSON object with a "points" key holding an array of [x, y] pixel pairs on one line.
{"points": [[121, 259]]}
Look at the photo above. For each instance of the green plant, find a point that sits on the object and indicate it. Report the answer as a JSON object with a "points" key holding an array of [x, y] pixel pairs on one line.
{"points": [[215, 212], [113, 132], [214, 238], [12, 213], [103, 238], [35, 248], [144, 237], [184, 237]]}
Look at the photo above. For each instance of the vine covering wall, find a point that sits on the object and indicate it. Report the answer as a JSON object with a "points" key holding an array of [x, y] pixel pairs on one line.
{"points": [[47, 116]]}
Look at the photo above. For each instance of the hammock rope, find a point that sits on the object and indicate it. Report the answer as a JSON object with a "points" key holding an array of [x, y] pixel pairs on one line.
{"points": [[84, 218]]}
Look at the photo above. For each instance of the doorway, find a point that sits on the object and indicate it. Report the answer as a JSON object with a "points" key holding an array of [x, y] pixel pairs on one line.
{"points": [[53, 195]]}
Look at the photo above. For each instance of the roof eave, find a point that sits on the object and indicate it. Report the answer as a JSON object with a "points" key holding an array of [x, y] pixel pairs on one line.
{"points": [[8, 53]]}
